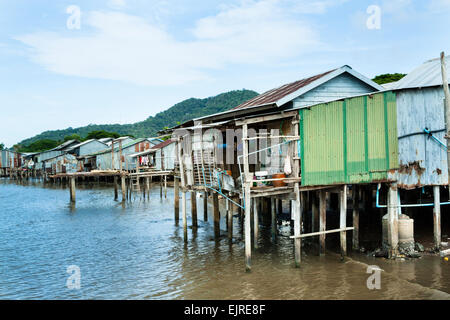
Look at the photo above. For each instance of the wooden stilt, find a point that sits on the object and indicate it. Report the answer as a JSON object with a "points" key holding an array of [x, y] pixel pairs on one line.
{"points": [[184, 209], [216, 214], [274, 218], [147, 187], [247, 200], [194, 209], [161, 187], [343, 219], [229, 219], [123, 185], [314, 212], [297, 215], [255, 222], [355, 238], [205, 206], [393, 220], [165, 187], [176, 188], [437, 217], [183, 186], [116, 189], [322, 219], [72, 189]]}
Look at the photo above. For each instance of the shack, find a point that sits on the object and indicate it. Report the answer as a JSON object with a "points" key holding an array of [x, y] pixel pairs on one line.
{"points": [[65, 163]]}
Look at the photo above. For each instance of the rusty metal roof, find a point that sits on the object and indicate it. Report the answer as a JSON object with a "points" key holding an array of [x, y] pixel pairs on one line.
{"points": [[290, 91], [274, 95]]}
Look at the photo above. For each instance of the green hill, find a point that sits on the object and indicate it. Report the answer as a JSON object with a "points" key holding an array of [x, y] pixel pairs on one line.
{"points": [[183, 111]]}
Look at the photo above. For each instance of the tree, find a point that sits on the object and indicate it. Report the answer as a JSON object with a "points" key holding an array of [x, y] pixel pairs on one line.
{"points": [[38, 146], [99, 134], [2, 146], [72, 137], [388, 77]]}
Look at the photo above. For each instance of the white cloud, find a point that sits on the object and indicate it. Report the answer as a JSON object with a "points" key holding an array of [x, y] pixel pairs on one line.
{"points": [[438, 5], [117, 3], [128, 48]]}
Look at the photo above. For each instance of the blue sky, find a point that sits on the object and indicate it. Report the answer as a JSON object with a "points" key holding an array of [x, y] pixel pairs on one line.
{"points": [[133, 58]]}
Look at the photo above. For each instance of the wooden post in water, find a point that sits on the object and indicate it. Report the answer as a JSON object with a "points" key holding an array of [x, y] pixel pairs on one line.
{"points": [[437, 217], [205, 205], [314, 211], [299, 200], [274, 218], [165, 186], [116, 191], [72, 189], [247, 226], [355, 237], [322, 219], [147, 187], [229, 207], [247, 200], [176, 188], [343, 219], [124, 188], [194, 209], [393, 220], [216, 213], [183, 190], [255, 221]]}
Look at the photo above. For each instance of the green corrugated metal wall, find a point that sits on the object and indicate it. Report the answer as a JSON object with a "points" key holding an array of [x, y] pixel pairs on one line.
{"points": [[350, 141]]}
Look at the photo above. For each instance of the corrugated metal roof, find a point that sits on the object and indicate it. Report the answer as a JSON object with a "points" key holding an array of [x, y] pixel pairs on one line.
{"points": [[163, 144], [274, 95], [290, 91], [426, 75]]}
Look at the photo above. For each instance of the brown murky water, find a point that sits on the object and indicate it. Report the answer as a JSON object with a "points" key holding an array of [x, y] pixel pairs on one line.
{"points": [[137, 252]]}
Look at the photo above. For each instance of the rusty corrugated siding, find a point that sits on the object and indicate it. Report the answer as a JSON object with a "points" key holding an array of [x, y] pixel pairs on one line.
{"points": [[349, 141]]}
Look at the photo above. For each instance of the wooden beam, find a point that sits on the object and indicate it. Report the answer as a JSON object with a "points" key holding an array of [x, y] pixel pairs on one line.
{"points": [[273, 117], [313, 234]]}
